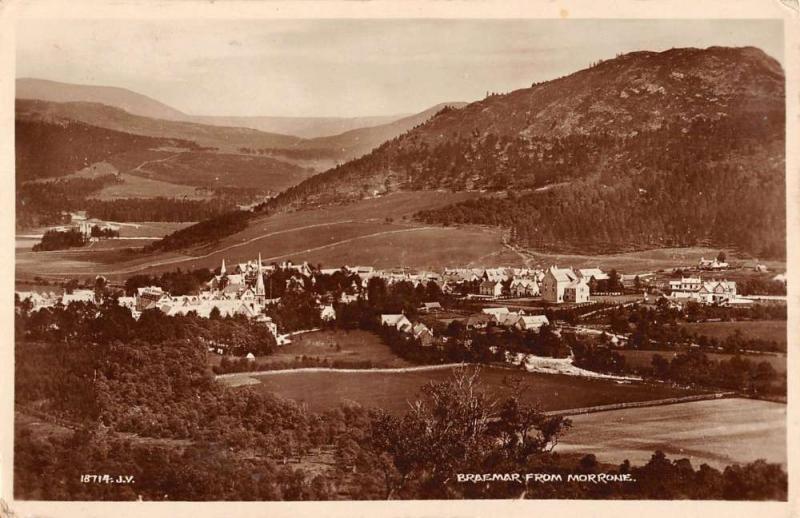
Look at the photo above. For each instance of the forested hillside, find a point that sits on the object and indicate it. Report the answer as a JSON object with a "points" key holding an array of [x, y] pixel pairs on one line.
{"points": [[648, 149], [57, 148]]}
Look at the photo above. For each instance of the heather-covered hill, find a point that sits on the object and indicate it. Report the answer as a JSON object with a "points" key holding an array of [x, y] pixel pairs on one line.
{"points": [[648, 149]]}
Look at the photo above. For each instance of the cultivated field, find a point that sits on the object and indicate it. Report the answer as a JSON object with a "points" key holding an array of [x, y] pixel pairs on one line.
{"points": [[641, 358], [715, 432], [393, 391], [774, 330], [354, 346]]}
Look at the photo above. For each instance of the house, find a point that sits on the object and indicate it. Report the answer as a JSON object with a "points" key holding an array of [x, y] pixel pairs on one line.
{"points": [[577, 291], [712, 264], [78, 296], [480, 321], [327, 313], [524, 288], [629, 280], [555, 283], [398, 321], [495, 312], [781, 277], [508, 320], [686, 287], [707, 292], [422, 334], [427, 307], [531, 322], [717, 292], [491, 288], [37, 300], [592, 273], [495, 274], [127, 302]]}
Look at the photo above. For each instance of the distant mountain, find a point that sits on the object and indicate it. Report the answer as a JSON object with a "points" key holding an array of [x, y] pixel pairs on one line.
{"points": [[293, 138], [305, 127], [138, 104], [647, 149], [357, 142], [104, 116], [131, 102]]}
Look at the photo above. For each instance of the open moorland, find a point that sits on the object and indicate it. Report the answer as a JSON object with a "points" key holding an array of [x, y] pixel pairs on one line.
{"points": [[715, 432], [394, 390]]}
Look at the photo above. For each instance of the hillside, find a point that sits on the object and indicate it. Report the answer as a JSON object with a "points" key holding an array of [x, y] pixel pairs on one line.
{"points": [[61, 163], [357, 142], [138, 104], [649, 149], [109, 117], [122, 98], [304, 127]]}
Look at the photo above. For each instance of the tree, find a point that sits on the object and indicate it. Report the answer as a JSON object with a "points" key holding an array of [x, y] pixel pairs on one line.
{"points": [[721, 256]]}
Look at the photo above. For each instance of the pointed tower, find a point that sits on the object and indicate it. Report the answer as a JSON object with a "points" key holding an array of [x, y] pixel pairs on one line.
{"points": [[222, 268], [260, 291]]}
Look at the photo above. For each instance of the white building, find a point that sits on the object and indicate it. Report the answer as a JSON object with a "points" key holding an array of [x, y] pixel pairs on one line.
{"points": [[563, 285], [398, 321]]}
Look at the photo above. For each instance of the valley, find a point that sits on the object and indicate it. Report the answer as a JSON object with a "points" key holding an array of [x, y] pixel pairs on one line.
{"points": [[577, 275]]}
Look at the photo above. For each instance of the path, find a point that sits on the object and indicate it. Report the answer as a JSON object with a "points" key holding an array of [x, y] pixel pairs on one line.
{"points": [[324, 369], [140, 166]]}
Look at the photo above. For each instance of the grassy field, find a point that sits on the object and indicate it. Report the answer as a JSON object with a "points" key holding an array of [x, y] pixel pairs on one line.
{"points": [[716, 432], [151, 228], [353, 345], [134, 186], [774, 330], [644, 260], [374, 231], [221, 169], [297, 235], [393, 391], [640, 359], [428, 248]]}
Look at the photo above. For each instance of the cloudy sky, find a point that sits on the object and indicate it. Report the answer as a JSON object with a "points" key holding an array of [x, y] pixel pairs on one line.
{"points": [[346, 67]]}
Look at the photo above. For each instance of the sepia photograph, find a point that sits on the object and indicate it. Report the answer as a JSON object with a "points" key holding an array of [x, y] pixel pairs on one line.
{"points": [[398, 258]]}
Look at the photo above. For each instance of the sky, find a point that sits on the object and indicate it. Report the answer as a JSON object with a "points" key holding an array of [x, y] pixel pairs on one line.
{"points": [[347, 68]]}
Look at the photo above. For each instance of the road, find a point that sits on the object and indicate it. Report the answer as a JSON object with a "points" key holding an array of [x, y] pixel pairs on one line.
{"points": [[325, 369]]}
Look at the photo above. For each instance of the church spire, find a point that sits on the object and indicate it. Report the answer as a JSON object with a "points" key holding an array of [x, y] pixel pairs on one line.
{"points": [[260, 291], [222, 268]]}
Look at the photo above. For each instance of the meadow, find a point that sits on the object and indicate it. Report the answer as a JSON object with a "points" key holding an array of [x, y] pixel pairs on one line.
{"points": [[353, 346], [642, 358], [716, 432], [134, 186], [773, 330], [376, 231], [644, 260], [393, 391], [220, 169]]}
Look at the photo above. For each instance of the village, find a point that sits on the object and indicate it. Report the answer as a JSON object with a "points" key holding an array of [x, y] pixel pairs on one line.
{"points": [[477, 298]]}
